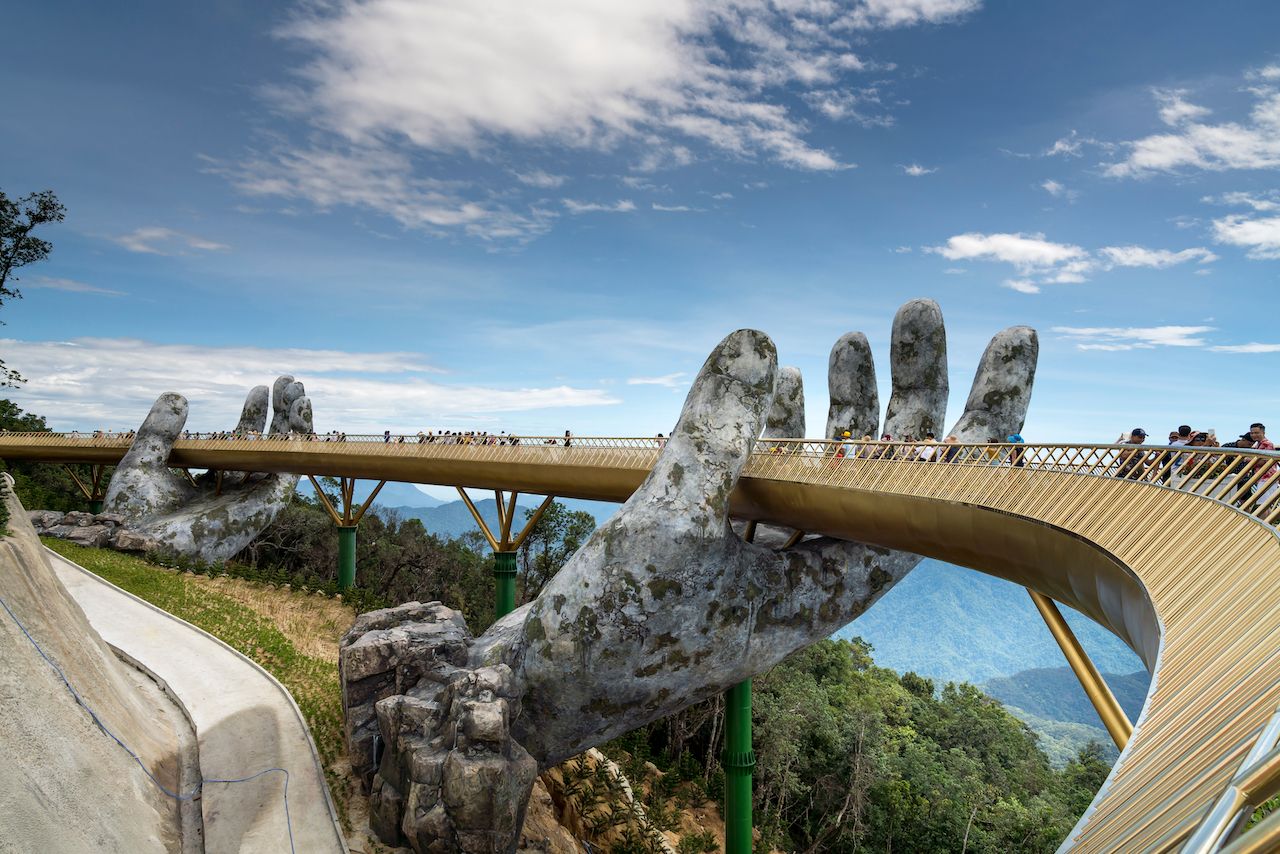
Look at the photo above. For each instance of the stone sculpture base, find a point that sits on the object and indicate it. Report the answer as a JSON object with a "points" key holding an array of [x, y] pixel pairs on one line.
{"points": [[429, 736]]}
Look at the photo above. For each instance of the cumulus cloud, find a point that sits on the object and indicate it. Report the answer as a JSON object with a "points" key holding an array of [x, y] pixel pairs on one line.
{"points": [[541, 179], [906, 13], [675, 380], [71, 285], [676, 208], [1247, 348], [915, 170], [1114, 338], [1022, 286], [1259, 235], [1253, 143], [1026, 252], [1141, 256], [1039, 261], [158, 240], [655, 84], [621, 206], [112, 382]]}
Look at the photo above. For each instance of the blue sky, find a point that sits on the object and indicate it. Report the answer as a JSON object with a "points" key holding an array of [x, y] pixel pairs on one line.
{"points": [[533, 217]]}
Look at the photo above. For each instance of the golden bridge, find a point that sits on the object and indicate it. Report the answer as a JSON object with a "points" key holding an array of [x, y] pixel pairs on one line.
{"points": [[1175, 551]]}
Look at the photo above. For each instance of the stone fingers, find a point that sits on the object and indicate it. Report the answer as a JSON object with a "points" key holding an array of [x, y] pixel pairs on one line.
{"points": [[284, 393], [142, 482], [1001, 392], [918, 358], [851, 381], [723, 415], [253, 417], [786, 418]]}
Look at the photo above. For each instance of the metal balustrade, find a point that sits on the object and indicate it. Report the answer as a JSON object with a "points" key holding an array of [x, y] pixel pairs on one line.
{"points": [[1174, 549]]}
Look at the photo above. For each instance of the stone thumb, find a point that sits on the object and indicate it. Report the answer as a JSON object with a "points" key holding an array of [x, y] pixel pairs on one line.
{"points": [[722, 417]]}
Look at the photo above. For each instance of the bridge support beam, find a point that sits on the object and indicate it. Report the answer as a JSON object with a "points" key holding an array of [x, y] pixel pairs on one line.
{"points": [[1106, 704], [504, 545], [95, 490], [347, 522], [739, 761]]}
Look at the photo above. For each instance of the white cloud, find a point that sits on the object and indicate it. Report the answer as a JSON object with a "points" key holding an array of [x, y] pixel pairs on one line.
{"points": [[380, 180], [1247, 348], [1193, 144], [1260, 236], [1113, 338], [915, 170], [657, 84], [906, 13], [1022, 286], [676, 208], [621, 206], [1040, 261], [1140, 256], [1270, 203], [668, 380], [1071, 145], [955, 271], [902, 250], [541, 179], [722, 197], [1175, 109], [112, 382], [1026, 252], [158, 240], [1268, 73], [71, 285], [1053, 188]]}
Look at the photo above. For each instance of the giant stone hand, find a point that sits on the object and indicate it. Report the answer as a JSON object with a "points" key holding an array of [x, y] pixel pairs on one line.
{"points": [[213, 518], [666, 605]]}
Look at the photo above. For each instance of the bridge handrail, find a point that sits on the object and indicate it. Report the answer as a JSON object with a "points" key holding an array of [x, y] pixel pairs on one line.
{"points": [[1242, 477]]}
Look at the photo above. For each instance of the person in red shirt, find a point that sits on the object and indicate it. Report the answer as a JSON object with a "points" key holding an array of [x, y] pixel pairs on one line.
{"points": [[1267, 484]]}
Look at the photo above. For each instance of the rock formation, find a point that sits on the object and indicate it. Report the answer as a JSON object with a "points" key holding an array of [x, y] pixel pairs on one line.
{"points": [[207, 520], [663, 607], [65, 785]]}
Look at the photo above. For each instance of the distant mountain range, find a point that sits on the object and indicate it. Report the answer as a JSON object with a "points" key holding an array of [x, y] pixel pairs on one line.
{"points": [[943, 622]]}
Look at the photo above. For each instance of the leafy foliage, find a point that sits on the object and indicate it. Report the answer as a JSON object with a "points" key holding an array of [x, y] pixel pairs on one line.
{"points": [[42, 486], [18, 247], [850, 756]]}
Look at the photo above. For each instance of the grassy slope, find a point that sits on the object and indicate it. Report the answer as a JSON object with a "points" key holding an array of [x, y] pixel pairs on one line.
{"points": [[240, 620]]}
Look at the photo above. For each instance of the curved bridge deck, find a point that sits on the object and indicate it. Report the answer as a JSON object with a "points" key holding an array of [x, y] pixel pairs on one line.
{"points": [[1176, 554]]}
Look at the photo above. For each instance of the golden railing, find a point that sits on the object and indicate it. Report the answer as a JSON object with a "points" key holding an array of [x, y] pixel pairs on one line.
{"points": [[1243, 478], [1174, 549]]}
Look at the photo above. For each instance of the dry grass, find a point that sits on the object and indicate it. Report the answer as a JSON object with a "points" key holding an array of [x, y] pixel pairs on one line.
{"points": [[313, 624]]}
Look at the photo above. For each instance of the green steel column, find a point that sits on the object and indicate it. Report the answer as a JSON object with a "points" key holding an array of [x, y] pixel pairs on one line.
{"points": [[739, 759], [504, 579], [346, 557], [95, 505]]}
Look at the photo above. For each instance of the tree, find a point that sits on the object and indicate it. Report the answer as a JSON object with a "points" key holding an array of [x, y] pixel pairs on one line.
{"points": [[18, 247], [558, 534]]}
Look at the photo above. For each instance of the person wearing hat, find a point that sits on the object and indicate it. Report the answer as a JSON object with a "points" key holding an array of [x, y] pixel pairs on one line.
{"points": [[846, 445], [1133, 464], [1016, 457]]}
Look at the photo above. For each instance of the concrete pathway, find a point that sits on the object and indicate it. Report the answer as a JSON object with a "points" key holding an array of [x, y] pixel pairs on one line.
{"points": [[245, 722]]}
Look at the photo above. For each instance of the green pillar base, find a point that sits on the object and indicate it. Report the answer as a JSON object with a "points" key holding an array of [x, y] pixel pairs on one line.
{"points": [[95, 506], [346, 557], [738, 760], [504, 580]]}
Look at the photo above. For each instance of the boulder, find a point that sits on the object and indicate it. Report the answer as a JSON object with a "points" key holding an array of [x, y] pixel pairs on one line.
{"points": [[429, 736], [42, 520], [92, 536], [126, 540]]}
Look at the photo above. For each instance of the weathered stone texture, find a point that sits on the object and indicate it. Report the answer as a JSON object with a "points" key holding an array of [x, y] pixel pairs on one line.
{"points": [[429, 736], [203, 521]]}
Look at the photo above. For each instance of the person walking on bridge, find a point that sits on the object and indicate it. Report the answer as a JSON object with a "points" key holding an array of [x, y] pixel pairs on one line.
{"points": [[1133, 464]]}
